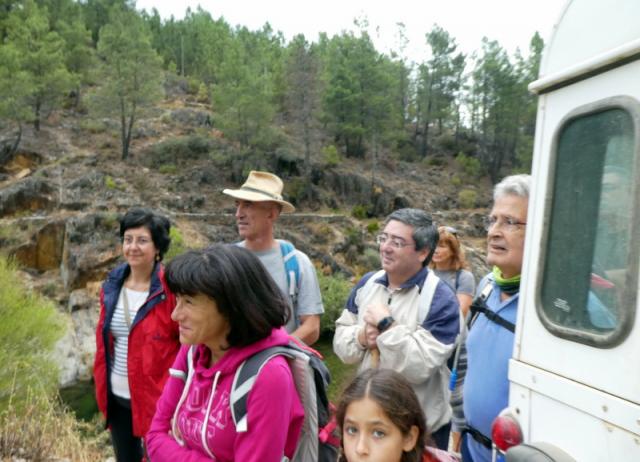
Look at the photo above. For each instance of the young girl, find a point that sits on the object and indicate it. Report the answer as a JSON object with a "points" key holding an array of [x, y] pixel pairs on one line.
{"points": [[381, 421]]}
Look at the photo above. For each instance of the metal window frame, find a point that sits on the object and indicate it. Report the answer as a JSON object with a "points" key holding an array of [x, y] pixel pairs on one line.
{"points": [[629, 297]]}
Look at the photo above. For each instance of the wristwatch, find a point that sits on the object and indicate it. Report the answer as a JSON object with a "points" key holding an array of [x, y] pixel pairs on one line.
{"points": [[385, 323]]}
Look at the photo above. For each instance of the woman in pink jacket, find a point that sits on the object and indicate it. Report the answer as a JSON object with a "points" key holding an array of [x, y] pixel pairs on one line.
{"points": [[229, 308]]}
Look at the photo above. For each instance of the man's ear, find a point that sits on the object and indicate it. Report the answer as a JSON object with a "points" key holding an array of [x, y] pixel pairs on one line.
{"points": [[275, 211], [423, 254]]}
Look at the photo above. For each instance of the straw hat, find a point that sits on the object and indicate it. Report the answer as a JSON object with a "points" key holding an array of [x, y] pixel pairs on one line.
{"points": [[261, 187]]}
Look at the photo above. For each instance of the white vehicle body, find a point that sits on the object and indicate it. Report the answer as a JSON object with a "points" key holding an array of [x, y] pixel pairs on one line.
{"points": [[575, 371]]}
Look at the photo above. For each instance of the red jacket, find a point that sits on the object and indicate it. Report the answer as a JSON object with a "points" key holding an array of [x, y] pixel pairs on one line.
{"points": [[153, 345]]}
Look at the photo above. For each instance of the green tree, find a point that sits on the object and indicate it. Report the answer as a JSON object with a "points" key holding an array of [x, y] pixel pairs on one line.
{"points": [[439, 81], [244, 92], [131, 71], [497, 98], [529, 70], [357, 103], [303, 93], [96, 13], [41, 55], [15, 87]]}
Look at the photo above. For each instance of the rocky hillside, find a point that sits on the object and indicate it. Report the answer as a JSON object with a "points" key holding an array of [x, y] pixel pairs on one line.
{"points": [[61, 195]]}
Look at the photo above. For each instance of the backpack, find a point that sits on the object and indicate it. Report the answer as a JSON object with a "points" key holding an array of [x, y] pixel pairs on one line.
{"points": [[318, 437], [291, 269]]}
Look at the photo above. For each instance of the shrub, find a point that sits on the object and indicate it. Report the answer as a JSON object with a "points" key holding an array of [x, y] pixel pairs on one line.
{"points": [[93, 126], [168, 169], [177, 244], [42, 429], [203, 94], [335, 291], [359, 211], [193, 85], [467, 198], [433, 161], [469, 165], [29, 327], [109, 182], [369, 260], [373, 227], [456, 181], [331, 155], [175, 150]]}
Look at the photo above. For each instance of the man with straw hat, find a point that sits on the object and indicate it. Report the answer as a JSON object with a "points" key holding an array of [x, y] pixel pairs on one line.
{"points": [[259, 203], [404, 317]]}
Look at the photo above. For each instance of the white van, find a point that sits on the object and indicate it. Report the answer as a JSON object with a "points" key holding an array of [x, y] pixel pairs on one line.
{"points": [[575, 372]]}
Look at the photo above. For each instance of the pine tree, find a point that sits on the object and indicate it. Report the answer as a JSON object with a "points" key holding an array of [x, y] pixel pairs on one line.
{"points": [[131, 71], [41, 55]]}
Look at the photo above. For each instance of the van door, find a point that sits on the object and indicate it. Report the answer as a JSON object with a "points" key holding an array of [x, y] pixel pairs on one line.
{"points": [[575, 380]]}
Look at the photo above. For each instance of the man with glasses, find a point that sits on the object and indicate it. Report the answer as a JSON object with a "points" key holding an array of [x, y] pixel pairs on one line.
{"points": [[404, 318], [490, 340]]}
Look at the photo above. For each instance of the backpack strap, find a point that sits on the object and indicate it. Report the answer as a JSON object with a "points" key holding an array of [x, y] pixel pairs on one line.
{"points": [[426, 295], [244, 379], [427, 291], [479, 306], [291, 269]]}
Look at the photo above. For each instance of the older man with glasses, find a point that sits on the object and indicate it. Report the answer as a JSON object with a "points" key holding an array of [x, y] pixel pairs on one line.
{"points": [[490, 341], [404, 318]]}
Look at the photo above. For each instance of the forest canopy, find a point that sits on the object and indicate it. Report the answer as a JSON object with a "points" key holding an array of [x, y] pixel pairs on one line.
{"points": [[337, 94]]}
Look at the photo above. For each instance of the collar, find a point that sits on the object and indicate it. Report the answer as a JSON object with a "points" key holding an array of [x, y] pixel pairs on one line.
{"points": [[414, 281]]}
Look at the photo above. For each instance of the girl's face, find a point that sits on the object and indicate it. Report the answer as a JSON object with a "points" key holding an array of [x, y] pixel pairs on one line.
{"points": [[369, 435]]}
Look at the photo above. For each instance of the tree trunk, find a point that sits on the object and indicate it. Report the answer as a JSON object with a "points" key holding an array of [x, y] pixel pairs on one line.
{"points": [[123, 130], [36, 120], [7, 151]]}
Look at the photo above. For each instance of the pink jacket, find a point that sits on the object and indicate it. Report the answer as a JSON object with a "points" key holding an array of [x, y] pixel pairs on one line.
{"points": [[274, 412]]}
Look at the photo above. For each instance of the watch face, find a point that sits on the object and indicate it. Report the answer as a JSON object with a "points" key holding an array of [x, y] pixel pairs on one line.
{"points": [[385, 323]]}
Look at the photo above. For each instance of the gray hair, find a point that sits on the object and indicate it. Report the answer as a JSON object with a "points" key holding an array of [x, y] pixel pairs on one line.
{"points": [[425, 232], [513, 185]]}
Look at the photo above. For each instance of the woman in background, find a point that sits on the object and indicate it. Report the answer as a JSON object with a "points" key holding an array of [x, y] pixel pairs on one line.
{"points": [[450, 265], [382, 421], [136, 340]]}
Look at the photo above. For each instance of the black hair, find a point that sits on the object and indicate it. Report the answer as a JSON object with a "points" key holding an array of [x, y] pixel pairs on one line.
{"points": [[425, 233], [246, 295], [393, 393], [159, 227]]}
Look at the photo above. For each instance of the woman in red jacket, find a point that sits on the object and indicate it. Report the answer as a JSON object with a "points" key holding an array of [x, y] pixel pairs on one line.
{"points": [[136, 340]]}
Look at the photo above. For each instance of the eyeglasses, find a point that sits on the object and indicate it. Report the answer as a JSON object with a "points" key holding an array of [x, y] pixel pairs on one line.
{"points": [[509, 223], [451, 230], [396, 242]]}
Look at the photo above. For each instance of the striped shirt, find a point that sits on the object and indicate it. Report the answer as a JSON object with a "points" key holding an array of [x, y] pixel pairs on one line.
{"points": [[120, 332]]}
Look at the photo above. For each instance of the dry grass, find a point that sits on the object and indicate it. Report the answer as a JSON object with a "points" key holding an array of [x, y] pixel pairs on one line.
{"points": [[41, 429]]}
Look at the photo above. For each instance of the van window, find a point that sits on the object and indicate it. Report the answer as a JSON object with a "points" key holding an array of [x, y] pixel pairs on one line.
{"points": [[589, 281]]}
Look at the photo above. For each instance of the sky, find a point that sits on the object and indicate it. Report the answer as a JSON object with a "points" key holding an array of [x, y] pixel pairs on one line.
{"points": [[511, 22]]}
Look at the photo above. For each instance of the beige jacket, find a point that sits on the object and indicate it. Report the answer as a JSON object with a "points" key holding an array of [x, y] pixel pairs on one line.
{"points": [[419, 352]]}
